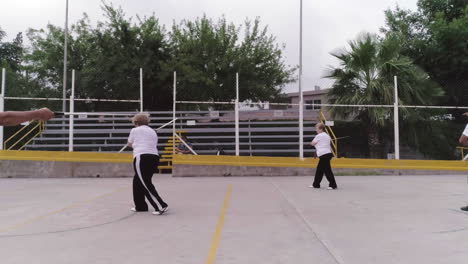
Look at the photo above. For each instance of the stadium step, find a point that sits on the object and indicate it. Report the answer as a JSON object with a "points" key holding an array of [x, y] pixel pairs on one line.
{"points": [[167, 155], [164, 167]]}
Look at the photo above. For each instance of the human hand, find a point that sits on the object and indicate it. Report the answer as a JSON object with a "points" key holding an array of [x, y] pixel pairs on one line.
{"points": [[43, 114]]}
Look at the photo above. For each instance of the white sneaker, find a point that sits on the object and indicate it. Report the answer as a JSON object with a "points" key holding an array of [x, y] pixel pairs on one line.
{"points": [[164, 209], [330, 188], [133, 209]]}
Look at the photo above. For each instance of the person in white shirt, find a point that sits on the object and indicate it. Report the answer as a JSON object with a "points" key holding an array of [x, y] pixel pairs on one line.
{"points": [[464, 141], [322, 144], [144, 142]]}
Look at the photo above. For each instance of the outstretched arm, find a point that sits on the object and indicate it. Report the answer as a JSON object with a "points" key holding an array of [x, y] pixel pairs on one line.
{"points": [[14, 118], [463, 140], [464, 136]]}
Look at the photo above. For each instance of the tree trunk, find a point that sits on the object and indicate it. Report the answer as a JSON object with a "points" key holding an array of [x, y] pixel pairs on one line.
{"points": [[375, 146]]}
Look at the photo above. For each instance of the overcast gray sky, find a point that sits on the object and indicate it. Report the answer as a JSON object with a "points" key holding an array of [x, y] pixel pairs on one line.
{"points": [[328, 25]]}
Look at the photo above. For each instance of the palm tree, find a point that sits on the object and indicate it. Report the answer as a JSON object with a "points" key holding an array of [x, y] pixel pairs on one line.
{"points": [[365, 75]]}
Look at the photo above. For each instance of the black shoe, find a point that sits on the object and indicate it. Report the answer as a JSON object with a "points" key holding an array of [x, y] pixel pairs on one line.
{"points": [[464, 208]]}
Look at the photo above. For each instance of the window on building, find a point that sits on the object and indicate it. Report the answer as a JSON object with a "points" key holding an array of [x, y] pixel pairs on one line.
{"points": [[317, 104], [311, 104]]}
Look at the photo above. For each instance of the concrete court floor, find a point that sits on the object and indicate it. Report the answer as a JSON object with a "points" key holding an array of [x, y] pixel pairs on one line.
{"points": [[369, 220]]}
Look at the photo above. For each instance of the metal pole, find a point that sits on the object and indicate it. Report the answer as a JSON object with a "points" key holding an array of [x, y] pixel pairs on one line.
{"points": [[396, 122], [65, 52], [72, 110], [3, 81], [301, 128], [174, 114], [301, 98], [250, 138], [237, 114], [2, 105], [141, 89]]}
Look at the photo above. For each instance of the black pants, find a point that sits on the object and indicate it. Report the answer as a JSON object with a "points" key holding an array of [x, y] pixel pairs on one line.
{"points": [[144, 166], [324, 167]]}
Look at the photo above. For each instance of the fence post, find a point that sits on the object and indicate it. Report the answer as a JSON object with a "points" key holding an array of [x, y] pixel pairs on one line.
{"points": [[141, 89], [72, 110], [396, 122], [237, 114], [174, 114], [301, 125], [2, 105]]}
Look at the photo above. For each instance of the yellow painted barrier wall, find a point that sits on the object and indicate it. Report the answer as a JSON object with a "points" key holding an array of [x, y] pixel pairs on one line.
{"points": [[239, 161], [312, 163], [65, 156]]}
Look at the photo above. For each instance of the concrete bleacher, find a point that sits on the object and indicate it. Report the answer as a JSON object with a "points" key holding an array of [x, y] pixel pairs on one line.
{"points": [[109, 133]]}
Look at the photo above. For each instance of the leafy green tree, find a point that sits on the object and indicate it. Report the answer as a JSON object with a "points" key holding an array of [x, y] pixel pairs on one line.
{"points": [[11, 52], [107, 59], [17, 82], [365, 76], [207, 55], [434, 37]]}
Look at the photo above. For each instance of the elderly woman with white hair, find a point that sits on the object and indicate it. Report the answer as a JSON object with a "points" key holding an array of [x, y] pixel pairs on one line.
{"points": [[322, 144], [144, 142]]}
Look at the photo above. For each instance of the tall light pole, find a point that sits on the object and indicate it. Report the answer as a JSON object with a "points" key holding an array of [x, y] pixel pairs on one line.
{"points": [[301, 99], [65, 51]]}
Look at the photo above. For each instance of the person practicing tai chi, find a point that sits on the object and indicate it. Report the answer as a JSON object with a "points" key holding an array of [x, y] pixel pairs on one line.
{"points": [[144, 142], [13, 118], [322, 142], [464, 141]]}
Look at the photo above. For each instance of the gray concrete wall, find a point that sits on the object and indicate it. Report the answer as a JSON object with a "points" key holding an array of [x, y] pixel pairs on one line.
{"points": [[60, 169]]}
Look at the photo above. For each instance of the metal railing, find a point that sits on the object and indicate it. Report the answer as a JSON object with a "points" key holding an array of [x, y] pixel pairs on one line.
{"points": [[462, 152], [28, 129], [207, 135]]}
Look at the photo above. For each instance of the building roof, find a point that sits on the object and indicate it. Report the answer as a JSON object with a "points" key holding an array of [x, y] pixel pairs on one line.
{"points": [[310, 92]]}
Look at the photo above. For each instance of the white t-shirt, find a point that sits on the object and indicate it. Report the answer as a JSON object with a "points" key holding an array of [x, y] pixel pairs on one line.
{"points": [[144, 140], [323, 142], [465, 132]]}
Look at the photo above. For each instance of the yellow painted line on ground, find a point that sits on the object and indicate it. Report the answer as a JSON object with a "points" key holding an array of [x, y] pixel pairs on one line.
{"points": [[219, 228], [38, 218]]}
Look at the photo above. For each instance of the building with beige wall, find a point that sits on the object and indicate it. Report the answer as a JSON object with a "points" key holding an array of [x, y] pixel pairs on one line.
{"points": [[267, 111], [312, 101]]}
